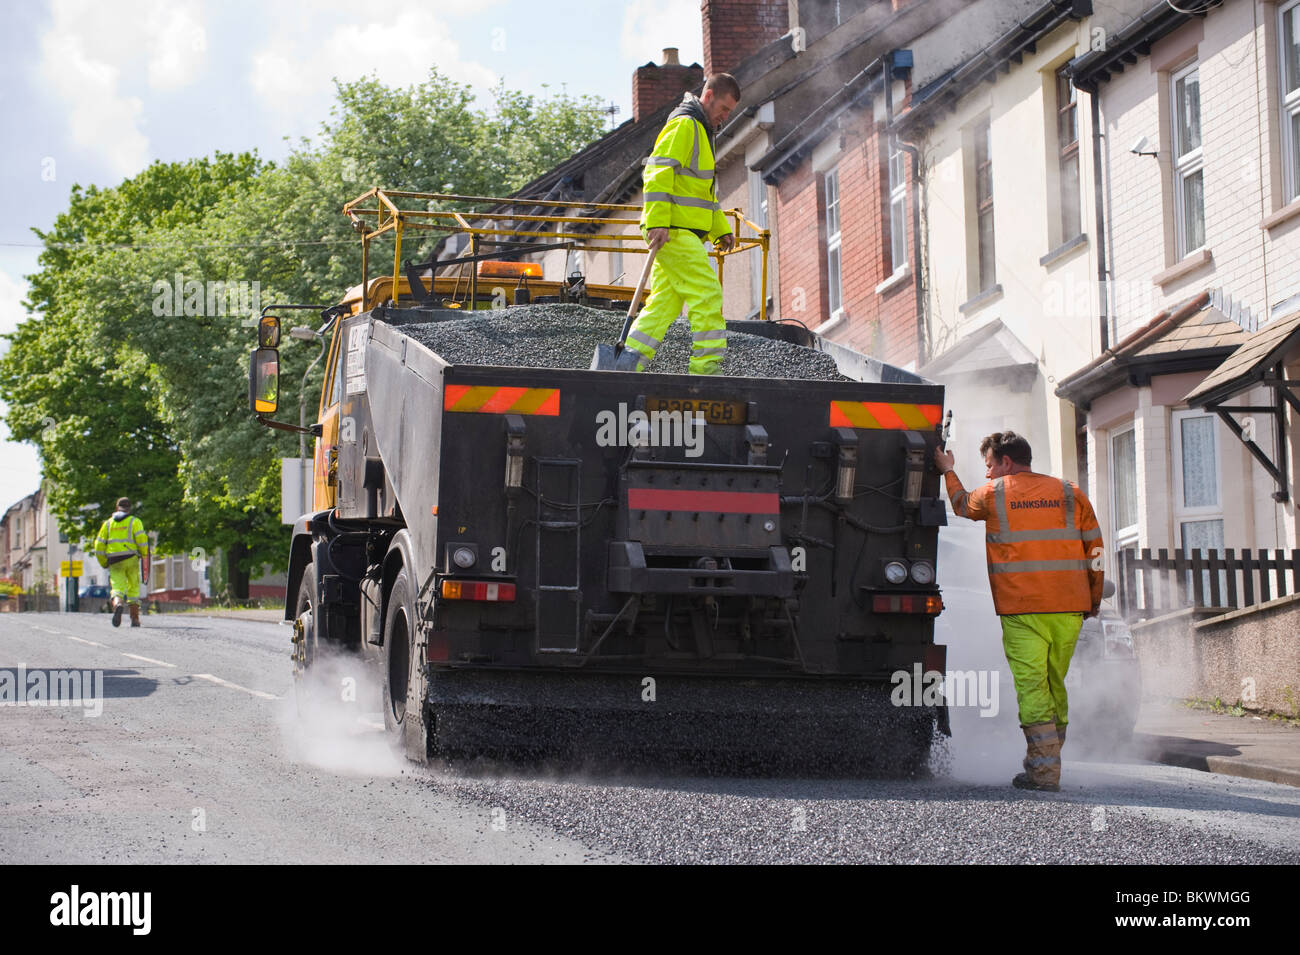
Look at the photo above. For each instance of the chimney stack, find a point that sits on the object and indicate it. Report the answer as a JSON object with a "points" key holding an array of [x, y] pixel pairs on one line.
{"points": [[655, 85], [736, 29]]}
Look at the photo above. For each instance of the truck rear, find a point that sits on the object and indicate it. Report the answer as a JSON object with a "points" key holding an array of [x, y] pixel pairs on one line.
{"points": [[567, 560], [731, 570]]}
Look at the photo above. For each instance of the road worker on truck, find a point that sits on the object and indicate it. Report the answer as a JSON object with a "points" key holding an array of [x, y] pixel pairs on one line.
{"points": [[681, 212]]}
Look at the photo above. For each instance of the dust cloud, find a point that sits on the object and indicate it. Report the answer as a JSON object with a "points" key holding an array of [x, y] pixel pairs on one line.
{"points": [[335, 721]]}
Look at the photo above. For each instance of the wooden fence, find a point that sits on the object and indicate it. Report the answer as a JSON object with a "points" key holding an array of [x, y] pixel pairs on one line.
{"points": [[1150, 586]]}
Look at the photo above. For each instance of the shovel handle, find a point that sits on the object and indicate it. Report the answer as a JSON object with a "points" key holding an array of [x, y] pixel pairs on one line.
{"points": [[636, 299]]}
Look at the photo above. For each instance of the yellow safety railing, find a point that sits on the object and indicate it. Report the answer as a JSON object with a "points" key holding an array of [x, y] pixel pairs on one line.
{"points": [[376, 213]]}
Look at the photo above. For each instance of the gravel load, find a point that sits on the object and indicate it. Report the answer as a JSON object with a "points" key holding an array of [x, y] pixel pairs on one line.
{"points": [[565, 336]]}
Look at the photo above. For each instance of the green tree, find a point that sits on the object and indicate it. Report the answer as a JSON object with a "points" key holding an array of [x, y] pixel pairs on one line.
{"points": [[82, 393], [128, 385]]}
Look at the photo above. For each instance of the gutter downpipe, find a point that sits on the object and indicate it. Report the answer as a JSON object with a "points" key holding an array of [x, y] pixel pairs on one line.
{"points": [[922, 325], [1103, 273]]}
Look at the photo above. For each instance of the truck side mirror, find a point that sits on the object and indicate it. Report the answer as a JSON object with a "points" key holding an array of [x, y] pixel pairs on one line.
{"points": [[264, 381], [268, 332]]}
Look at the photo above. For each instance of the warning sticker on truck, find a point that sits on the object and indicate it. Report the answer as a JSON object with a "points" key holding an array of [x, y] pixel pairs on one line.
{"points": [[355, 369]]}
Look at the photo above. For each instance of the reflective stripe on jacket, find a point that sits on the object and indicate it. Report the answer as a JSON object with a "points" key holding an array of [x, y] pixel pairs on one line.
{"points": [[678, 179], [124, 536], [1042, 540]]}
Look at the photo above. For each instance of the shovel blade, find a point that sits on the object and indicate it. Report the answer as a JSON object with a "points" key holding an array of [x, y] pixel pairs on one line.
{"points": [[605, 358]]}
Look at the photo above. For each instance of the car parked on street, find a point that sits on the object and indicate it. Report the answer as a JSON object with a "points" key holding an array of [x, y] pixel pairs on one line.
{"points": [[93, 598]]}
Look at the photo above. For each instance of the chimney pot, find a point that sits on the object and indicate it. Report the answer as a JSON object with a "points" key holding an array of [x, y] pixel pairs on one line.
{"points": [[657, 84]]}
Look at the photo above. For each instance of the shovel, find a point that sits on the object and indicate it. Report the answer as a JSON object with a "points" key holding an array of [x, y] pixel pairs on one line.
{"points": [[606, 356]]}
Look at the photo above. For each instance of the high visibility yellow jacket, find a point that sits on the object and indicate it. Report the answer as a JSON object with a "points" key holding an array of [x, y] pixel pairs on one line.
{"points": [[680, 191], [124, 536], [1043, 543]]}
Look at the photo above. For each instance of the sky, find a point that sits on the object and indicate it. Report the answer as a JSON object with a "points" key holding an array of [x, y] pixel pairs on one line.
{"points": [[97, 89]]}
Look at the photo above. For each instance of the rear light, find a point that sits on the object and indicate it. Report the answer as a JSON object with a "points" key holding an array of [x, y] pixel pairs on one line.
{"points": [[919, 603], [477, 590]]}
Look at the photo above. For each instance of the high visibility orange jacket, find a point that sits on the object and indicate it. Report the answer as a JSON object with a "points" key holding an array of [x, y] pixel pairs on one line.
{"points": [[1043, 542]]}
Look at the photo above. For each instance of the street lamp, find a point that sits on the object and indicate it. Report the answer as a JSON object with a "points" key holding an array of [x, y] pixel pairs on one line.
{"points": [[303, 333]]}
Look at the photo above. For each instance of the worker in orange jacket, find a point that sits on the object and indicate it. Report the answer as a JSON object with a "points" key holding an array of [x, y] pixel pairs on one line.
{"points": [[1045, 569]]}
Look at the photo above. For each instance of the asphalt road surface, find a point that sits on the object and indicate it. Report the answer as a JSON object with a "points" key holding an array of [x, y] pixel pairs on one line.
{"points": [[198, 755]]}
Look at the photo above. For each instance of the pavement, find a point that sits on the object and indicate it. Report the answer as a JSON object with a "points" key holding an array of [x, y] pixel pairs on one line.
{"points": [[1248, 746], [265, 616]]}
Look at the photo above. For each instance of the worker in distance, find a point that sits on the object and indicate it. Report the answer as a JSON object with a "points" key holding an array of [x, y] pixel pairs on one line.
{"points": [[122, 546]]}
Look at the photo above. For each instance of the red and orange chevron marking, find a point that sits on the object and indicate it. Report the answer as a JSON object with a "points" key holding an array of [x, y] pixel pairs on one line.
{"points": [[502, 399], [885, 415]]}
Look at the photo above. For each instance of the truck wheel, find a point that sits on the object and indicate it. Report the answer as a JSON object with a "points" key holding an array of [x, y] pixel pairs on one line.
{"points": [[306, 643], [399, 636]]}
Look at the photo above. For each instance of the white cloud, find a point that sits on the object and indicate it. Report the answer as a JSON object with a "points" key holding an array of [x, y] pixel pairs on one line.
{"points": [[88, 47], [178, 44], [650, 26], [20, 470], [100, 118], [12, 312], [400, 49]]}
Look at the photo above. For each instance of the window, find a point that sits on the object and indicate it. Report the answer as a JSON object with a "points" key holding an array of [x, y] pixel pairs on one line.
{"points": [[984, 205], [1198, 507], [1289, 37], [1123, 482], [834, 286], [897, 208], [1189, 177], [336, 383], [616, 268], [1067, 138], [758, 214]]}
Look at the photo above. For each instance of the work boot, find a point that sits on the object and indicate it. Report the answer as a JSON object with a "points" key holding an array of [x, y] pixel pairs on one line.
{"points": [[117, 611], [1042, 759], [135, 615]]}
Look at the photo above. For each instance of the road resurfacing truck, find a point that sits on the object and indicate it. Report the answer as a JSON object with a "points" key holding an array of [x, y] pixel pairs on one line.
{"points": [[729, 570]]}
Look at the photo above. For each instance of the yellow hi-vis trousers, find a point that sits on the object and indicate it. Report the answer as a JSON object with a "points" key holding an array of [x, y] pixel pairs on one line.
{"points": [[1038, 648], [124, 578], [682, 275]]}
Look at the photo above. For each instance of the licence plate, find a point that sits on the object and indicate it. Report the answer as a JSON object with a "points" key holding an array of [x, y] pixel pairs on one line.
{"points": [[713, 412]]}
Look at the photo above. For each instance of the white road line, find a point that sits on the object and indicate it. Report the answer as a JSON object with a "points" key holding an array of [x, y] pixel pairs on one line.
{"points": [[37, 626], [371, 724], [234, 686], [161, 663], [90, 643]]}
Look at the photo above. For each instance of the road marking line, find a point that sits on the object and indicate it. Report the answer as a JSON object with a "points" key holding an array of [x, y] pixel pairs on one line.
{"points": [[161, 663], [37, 626], [234, 686], [90, 643], [371, 724]]}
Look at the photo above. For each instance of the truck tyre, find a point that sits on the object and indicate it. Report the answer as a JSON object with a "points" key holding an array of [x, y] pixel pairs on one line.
{"points": [[306, 641], [399, 639]]}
